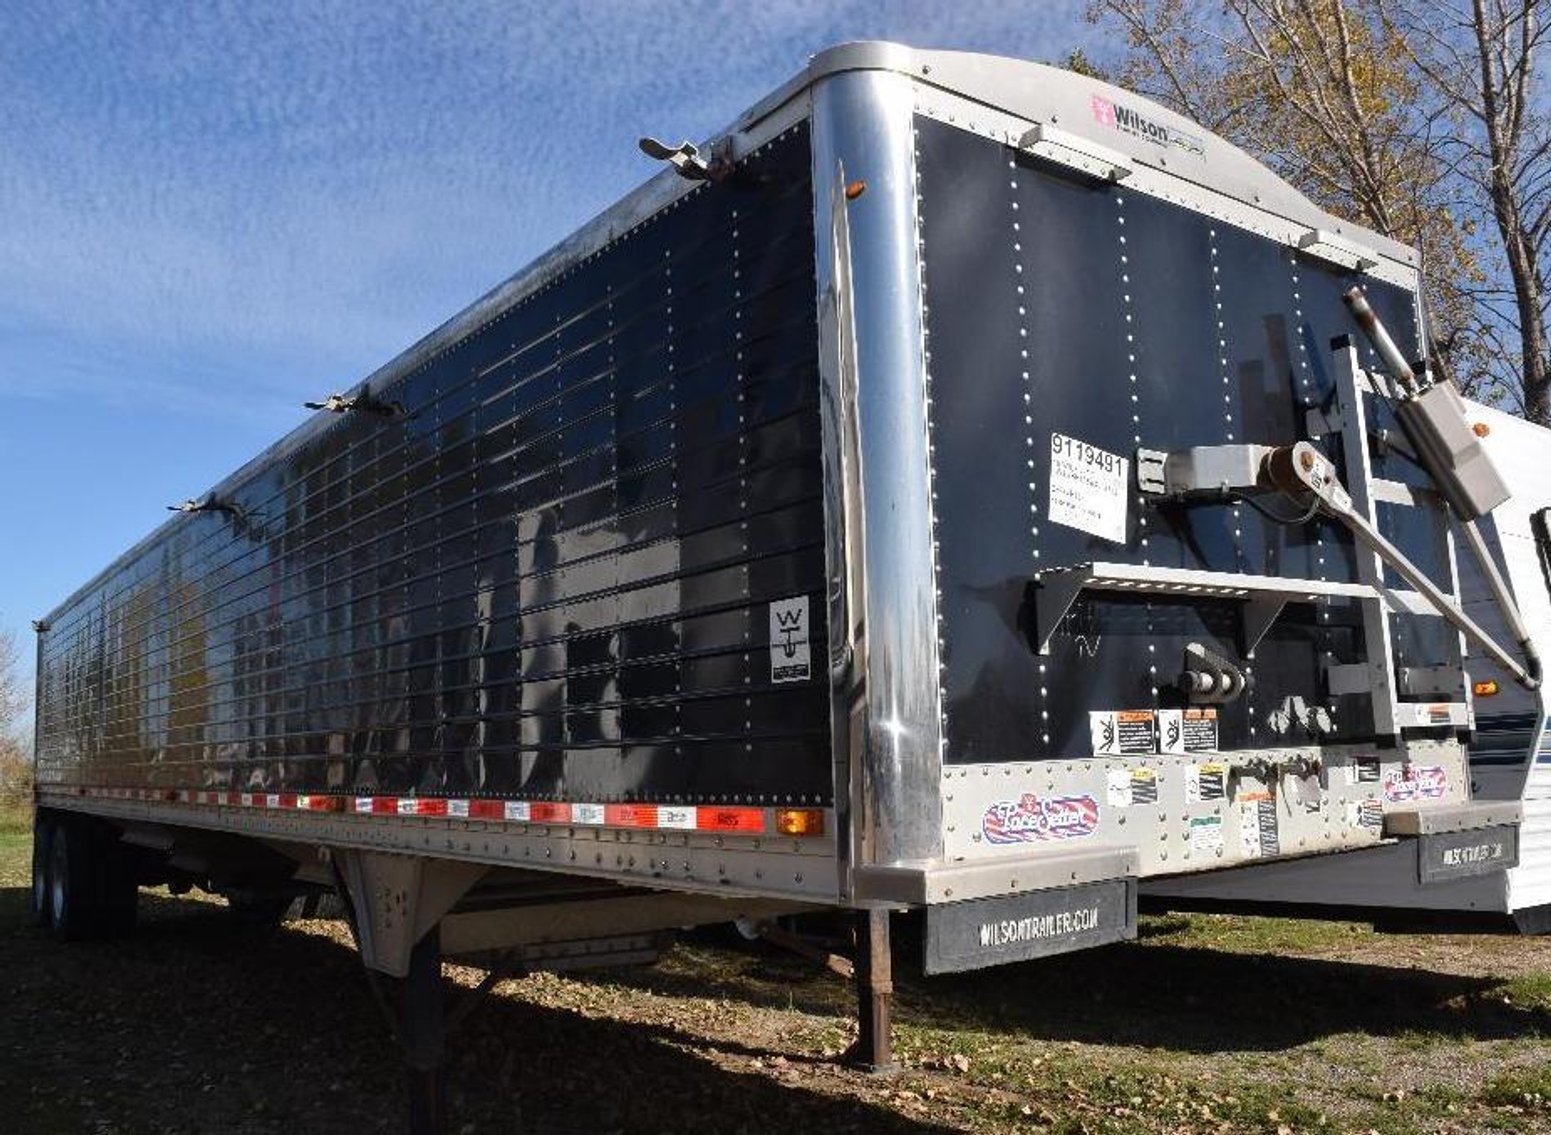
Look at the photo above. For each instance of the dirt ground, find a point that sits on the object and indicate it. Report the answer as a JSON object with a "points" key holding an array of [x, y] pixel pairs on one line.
{"points": [[1207, 1024]]}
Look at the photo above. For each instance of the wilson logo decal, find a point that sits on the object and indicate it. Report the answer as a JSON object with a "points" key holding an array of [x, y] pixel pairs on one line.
{"points": [[1118, 116]]}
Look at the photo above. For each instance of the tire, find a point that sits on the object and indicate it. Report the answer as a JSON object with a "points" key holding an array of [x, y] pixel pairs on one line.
{"points": [[92, 885], [42, 839], [69, 896]]}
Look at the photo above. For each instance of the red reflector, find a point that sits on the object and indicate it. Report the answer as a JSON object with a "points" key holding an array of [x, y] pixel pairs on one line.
{"points": [[630, 815], [549, 813], [731, 819], [385, 806], [487, 809]]}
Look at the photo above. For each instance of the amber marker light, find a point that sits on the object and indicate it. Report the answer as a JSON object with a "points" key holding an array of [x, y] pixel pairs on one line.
{"points": [[1485, 689], [855, 190], [1480, 429], [799, 821]]}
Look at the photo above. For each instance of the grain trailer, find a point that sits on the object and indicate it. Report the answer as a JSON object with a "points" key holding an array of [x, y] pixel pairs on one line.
{"points": [[951, 487]]}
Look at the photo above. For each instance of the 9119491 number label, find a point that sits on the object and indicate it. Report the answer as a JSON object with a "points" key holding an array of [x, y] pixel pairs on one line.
{"points": [[1089, 488]]}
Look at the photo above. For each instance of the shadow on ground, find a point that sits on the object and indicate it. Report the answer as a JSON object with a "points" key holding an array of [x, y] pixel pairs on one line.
{"points": [[198, 1025], [195, 1025], [1183, 998]]}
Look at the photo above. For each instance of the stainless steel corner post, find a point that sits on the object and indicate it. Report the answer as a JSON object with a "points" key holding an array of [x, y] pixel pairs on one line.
{"points": [[885, 676]]}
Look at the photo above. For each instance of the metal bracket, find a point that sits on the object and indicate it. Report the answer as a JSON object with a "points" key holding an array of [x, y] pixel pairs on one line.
{"points": [[1264, 596], [1058, 147], [1258, 615], [1336, 249], [398, 899], [1432, 681], [363, 403], [686, 160]]}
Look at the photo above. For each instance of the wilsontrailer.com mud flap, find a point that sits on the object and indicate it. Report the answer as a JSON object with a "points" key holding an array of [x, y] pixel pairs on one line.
{"points": [[1014, 928], [1447, 856], [1460, 842]]}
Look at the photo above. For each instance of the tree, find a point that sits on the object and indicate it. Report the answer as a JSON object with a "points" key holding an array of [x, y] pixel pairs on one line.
{"points": [[15, 763], [1483, 60], [1340, 98]]}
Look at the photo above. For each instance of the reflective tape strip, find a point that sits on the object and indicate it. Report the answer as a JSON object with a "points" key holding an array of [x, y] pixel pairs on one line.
{"points": [[664, 817]]}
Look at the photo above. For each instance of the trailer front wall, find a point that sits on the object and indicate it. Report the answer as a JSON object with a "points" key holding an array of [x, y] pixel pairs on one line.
{"points": [[548, 577], [1058, 306]]}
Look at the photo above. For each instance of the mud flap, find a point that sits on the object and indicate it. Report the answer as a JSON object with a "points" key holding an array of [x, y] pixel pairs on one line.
{"points": [[1013, 928], [1445, 856]]}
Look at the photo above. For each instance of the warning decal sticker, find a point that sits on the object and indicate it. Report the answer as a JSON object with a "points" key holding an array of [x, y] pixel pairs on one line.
{"points": [[789, 658], [1128, 786], [1204, 783], [1206, 834], [1089, 488], [1121, 731], [1187, 730]]}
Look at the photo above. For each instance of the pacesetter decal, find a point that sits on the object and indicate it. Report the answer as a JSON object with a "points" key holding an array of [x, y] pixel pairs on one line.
{"points": [[1035, 819]]}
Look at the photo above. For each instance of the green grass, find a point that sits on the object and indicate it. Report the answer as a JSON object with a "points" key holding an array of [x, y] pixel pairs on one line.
{"points": [[15, 825], [1240, 935]]}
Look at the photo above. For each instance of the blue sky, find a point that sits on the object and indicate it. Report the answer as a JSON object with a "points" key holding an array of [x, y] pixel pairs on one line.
{"points": [[211, 212]]}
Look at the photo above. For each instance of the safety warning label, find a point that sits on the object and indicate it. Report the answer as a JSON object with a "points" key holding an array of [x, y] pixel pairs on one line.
{"points": [[1121, 731], [1205, 783], [1187, 730], [1131, 786], [1089, 488]]}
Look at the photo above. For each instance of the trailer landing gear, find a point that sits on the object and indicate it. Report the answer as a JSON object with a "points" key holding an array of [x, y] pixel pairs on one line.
{"points": [[424, 1037], [873, 1051]]}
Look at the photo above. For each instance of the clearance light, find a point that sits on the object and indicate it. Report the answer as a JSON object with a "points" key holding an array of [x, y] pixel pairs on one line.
{"points": [[1480, 429], [799, 821], [1486, 689]]}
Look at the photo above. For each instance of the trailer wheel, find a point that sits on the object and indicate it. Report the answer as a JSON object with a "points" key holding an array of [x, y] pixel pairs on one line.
{"points": [[42, 838], [92, 885], [68, 900]]}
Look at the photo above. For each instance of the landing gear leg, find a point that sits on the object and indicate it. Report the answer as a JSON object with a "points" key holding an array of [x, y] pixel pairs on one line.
{"points": [[873, 1051], [424, 1037]]}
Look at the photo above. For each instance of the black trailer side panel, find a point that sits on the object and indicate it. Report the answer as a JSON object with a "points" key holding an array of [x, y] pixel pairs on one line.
{"points": [[548, 577], [1057, 306]]}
